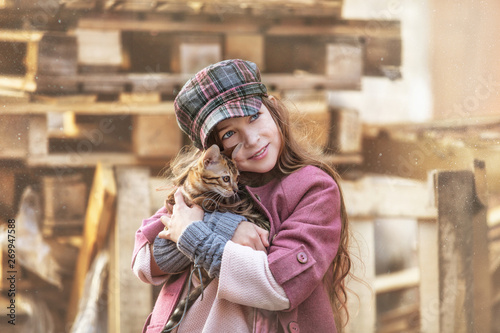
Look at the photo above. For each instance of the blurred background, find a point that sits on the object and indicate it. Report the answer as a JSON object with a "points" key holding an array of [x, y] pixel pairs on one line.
{"points": [[401, 96]]}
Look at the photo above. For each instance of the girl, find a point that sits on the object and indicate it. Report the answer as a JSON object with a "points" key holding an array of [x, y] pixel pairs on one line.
{"points": [[287, 280]]}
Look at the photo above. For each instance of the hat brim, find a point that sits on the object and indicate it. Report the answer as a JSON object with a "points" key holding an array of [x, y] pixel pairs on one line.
{"points": [[238, 108]]}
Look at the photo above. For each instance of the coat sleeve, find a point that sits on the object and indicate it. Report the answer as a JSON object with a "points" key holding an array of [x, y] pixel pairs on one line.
{"points": [[148, 231], [308, 238]]}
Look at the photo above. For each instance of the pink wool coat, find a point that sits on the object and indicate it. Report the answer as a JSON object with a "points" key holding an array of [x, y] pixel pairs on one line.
{"points": [[304, 210]]}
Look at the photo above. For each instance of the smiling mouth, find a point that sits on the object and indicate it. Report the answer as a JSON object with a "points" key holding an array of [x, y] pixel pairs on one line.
{"points": [[260, 152]]}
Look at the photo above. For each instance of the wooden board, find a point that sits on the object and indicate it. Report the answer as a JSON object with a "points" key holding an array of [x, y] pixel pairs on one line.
{"points": [[15, 136], [156, 136], [99, 218], [464, 280], [413, 150], [389, 197], [245, 46], [192, 52], [429, 275], [130, 300], [65, 199]]}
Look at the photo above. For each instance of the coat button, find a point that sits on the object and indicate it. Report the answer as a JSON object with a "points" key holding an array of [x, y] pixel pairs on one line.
{"points": [[302, 257], [293, 327]]}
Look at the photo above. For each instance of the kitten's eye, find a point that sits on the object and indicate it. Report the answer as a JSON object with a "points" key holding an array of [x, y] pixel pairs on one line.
{"points": [[227, 135], [226, 179]]}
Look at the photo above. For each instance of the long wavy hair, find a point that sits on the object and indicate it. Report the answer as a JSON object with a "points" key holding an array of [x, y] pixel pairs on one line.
{"points": [[292, 157]]}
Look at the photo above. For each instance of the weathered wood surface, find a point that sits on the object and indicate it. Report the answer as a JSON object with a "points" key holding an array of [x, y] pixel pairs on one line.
{"points": [[130, 300], [464, 278], [99, 218], [413, 150], [429, 275]]}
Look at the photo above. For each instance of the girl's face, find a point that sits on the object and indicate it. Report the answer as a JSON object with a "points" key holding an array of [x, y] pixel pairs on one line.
{"points": [[260, 138]]}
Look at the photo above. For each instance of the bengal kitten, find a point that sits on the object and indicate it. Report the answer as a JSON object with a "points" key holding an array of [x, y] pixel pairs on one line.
{"points": [[210, 180]]}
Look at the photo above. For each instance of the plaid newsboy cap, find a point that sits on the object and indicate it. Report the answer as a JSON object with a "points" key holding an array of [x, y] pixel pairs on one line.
{"points": [[227, 89]]}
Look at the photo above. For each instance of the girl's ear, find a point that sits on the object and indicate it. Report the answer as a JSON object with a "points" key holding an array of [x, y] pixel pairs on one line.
{"points": [[272, 98], [211, 155]]}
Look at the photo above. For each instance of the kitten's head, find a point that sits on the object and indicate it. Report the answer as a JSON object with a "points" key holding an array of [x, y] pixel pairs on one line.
{"points": [[218, 172]]}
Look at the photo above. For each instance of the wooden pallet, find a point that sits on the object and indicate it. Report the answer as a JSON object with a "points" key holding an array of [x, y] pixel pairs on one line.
{"points": [[63, 133], [19, 59]]}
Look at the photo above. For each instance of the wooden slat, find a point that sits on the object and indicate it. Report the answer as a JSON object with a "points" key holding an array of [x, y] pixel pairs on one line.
{"points": [[156, 136], [429, 276], [38, 144], [413, 151], [130, 299], [480, 251], [117, 83], [392, 197], [15, 136], [404, 279], [74, 159], [245, 46], [98, 220], [64, 204], [462, 278]]}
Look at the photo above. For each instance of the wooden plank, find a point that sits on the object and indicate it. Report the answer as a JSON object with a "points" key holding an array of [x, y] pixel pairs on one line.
{"points": [[73, 159], [417, 151], [20, 35], [64, 204], [306, 81], [245, 46], [345, 133], [362, 308], [429, 276], [391, 197], [38, 144], [99, 47], [15, 136], [156, 136], [140, 97], [131, 300], [57, 54], [98, 220], [458, 212], [8, 193], [191, 53], [480, 252], [407, 278], [344, 60]]}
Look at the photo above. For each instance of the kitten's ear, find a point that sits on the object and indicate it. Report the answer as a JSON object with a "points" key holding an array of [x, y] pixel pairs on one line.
{"points": [[231, 152], [236, 150], [211, 155]]}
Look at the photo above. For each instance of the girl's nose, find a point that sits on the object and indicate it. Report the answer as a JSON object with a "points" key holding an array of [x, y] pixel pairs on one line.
{"points": [[251, 138]]}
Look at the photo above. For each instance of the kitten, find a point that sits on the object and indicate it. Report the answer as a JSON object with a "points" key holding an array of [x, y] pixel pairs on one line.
{"points": [[210, 180]]}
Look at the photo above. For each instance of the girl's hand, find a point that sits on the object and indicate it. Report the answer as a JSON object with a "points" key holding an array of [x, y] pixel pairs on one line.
{"points": [[249, 234], [182, 217]]}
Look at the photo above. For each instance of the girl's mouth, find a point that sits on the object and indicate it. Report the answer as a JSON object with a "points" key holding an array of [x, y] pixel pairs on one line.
{"points": [[260, 154]]}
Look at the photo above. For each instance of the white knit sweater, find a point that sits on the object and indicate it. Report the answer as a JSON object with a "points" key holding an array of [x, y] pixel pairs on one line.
{"points": [[229, 301]]}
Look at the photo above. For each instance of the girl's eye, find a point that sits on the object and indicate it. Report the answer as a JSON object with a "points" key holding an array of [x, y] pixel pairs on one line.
{"points": [[255, 116], [227, 135], [226, 179]]}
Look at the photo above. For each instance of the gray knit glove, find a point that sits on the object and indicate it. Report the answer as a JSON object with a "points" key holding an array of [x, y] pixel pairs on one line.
{"points": [[202, 240]]}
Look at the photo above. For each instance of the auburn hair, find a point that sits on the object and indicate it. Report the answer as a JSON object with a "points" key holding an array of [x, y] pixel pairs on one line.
{"points": [[292, 157]]}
